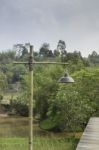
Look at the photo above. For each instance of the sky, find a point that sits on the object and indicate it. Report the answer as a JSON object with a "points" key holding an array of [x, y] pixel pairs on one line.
{"points": [[38, 21]]}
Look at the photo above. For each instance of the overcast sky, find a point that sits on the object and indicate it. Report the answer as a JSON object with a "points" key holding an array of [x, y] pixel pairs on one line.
{"points": [[38, 21]]}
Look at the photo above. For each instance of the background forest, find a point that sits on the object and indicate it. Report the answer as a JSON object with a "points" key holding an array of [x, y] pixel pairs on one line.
{"points": [[60, 111], [56, 106]]}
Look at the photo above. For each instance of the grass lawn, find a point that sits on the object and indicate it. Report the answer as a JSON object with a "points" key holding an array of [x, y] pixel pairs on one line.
{"points": [[14, 136], [39, 143], [13, 144], [53, 143]]}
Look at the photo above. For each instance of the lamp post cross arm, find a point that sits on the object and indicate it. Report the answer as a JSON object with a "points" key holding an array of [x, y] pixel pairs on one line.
{"points": [[57, 63], [31, 62]]}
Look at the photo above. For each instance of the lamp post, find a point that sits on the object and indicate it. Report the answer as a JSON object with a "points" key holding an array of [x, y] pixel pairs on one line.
{"points": [[31, 63]]}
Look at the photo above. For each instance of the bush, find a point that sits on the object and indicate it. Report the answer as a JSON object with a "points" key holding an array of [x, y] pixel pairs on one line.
{"points": [[20, 108]]}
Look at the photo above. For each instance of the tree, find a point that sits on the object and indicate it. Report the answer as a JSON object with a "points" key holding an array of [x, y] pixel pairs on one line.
{"points": [[94, 58], [50, 54], [56, 53], [7, 57], [61, 47], [44, 50], [45, 83], [18, 72], [21, 49], [25, 51], [73, 105]]}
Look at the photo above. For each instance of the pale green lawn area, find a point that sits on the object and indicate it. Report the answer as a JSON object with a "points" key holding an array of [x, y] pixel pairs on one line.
{"points": [[13, 144], [39, 143], [51, 144], [14, 136]]}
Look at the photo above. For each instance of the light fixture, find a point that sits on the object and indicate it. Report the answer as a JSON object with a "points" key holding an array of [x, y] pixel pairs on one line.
{"points": [[66, 79]]}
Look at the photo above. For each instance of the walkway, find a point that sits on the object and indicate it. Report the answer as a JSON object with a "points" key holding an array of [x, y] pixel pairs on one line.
{"points": [[90, 137]]}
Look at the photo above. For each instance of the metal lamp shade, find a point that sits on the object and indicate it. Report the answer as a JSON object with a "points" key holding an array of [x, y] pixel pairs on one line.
{"points": [[66, 79]]}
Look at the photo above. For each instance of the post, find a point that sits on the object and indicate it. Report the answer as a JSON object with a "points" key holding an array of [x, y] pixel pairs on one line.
{"points": [[31, 100], [31, 63]]}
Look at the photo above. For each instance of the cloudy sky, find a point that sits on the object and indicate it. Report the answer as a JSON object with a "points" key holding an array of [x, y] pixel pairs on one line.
{"points": [[38, 21]]}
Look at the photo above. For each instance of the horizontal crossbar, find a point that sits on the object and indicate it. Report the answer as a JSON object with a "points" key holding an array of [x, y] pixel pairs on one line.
{"points": [[57, 63]]}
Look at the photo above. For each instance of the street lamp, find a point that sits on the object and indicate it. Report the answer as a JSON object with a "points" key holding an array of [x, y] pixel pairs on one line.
{"points": [[31, 64], [66, 79]]}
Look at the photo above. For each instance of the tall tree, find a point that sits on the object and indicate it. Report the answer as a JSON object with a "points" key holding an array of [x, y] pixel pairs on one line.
{"points": [[44, 50], [61, 47], [94, 57]]}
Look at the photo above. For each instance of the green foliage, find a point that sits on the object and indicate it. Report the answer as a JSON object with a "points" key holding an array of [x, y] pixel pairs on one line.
{"points": [[94, 58], [20, 109], [56, 53], [18, 72], [72, 110], [3, 81], [7, 57], [61, 106], [45, 50], [61, 47], [58, 106], [74, 104], [45, 85], [89, 79]]}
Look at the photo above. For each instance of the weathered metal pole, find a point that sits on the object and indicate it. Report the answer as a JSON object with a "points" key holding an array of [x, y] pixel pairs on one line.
{"points": [[31, 100]]}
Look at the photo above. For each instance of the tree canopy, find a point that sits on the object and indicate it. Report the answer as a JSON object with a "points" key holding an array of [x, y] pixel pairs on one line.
{"points": [[56, 106]]}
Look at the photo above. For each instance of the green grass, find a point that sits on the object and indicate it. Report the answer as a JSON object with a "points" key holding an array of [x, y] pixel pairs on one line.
{"points": [[14, 136], [13, 144], [42, 143], [39, 143]]}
